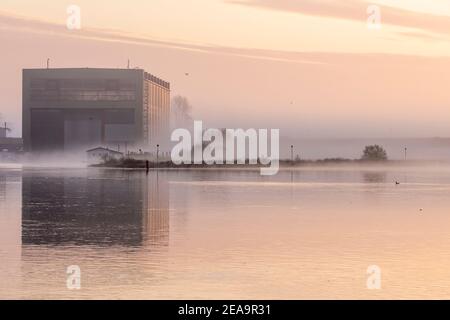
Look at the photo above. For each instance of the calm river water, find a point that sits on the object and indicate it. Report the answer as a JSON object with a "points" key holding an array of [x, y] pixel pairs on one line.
{"points": [[232, 234]]}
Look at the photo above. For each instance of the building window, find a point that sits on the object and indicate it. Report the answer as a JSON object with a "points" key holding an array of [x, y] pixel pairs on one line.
{"points": [[112, 85], [51, 85]]}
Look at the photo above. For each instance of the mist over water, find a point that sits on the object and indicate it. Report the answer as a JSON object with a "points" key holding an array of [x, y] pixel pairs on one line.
{"points": [[423, 149], [308, 232], [417, 148], [64, 159]]}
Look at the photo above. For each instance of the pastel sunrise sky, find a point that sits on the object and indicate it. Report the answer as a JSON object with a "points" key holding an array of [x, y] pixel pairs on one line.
{"points": [[312, 68]]}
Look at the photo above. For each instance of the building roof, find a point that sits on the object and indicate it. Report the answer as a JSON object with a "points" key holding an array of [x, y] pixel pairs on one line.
{"points": [[105, 149], [147, 76], [85, 68], [11, 141]]}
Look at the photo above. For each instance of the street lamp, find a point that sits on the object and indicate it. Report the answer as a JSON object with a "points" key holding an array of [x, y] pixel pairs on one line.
{"points": [[157, 154], [292, 153]]}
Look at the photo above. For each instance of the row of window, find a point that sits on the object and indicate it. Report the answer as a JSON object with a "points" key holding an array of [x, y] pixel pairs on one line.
{"points": [[83, 84]]}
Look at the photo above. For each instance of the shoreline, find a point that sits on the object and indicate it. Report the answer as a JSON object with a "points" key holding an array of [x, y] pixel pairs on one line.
{"points": [[283, 165]]}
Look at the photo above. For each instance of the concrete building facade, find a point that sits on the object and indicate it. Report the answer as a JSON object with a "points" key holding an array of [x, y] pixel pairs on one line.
{"points": [[76, 109]]}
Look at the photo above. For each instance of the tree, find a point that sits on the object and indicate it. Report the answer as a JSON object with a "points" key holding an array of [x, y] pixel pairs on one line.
{"points": [[374, 153], [181, 111]]}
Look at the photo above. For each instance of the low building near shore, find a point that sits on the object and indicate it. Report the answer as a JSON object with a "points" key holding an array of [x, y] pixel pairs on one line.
{"points": [[11, 149], [11, 144], [99, 154]]}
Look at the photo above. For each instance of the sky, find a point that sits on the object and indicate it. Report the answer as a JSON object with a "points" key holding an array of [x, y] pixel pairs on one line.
{"points": [[312, 68]]}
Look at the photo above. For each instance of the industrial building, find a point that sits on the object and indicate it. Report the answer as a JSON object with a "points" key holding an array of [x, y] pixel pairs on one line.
{"points": [[80, 108]]}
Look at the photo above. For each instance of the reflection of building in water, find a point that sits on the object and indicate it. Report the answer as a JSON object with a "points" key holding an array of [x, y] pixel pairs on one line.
{"points": [[106, 208], [2, 187], [10, 234], [156, 221]]}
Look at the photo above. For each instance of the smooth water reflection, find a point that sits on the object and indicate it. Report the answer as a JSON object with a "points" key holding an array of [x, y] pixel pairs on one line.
{"points": [[104, 209], [308, 233]]}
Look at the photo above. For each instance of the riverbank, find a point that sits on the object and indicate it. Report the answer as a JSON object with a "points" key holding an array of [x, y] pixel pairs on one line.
{"points": [[143, 164]]}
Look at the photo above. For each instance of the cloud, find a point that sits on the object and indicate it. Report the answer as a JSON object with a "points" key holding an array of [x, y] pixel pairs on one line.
{"points": [[32, 26], [354, 10], [420, 35], [342, 94], [21, 24]]}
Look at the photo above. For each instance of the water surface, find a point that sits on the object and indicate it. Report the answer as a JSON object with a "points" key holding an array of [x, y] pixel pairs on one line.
{"points": [[232, 234]]}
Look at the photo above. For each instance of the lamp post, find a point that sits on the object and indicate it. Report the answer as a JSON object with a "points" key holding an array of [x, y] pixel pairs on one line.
{"points": [[406, 150], [157, 154], [292, 153]]}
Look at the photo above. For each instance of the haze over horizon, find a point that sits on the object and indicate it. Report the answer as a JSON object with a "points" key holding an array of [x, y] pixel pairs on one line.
{"points": [[311, 68]]}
